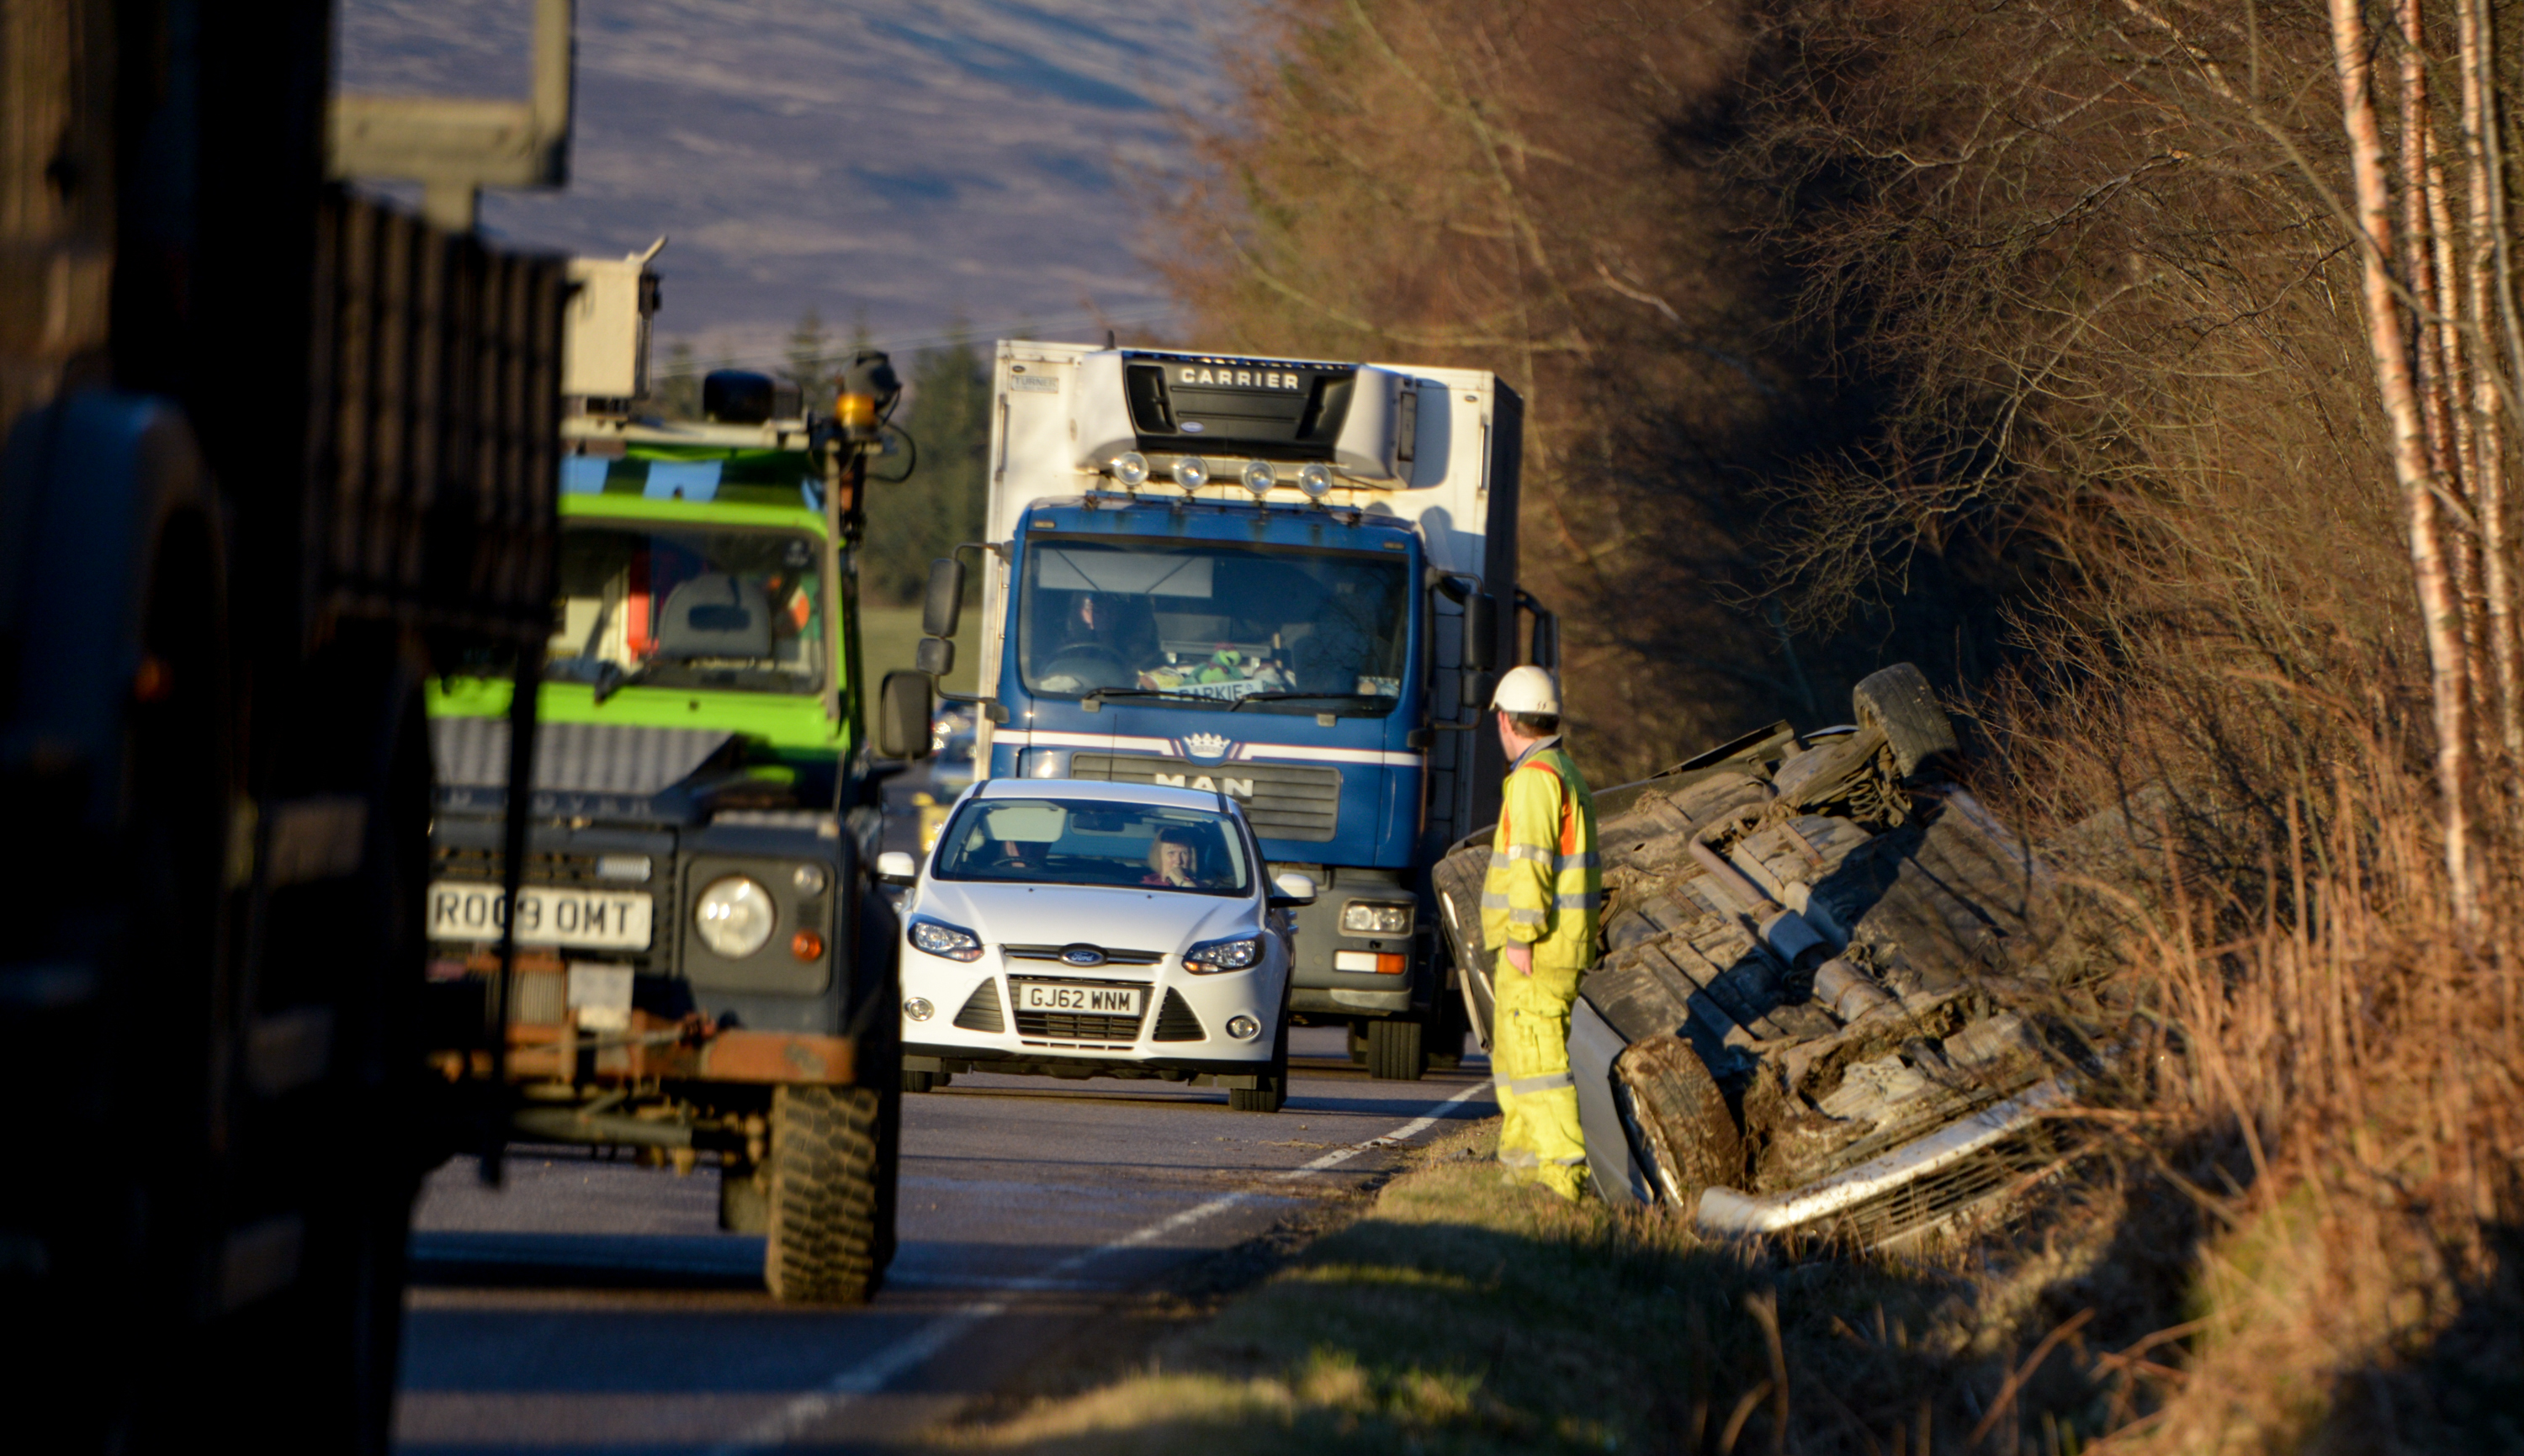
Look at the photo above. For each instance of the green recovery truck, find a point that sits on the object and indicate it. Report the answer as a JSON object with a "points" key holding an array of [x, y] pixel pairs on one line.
{"points": [[705, 964]]}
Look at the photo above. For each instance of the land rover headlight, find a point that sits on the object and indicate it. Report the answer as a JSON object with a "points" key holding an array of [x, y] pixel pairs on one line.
{"points": [[1368, 917], [1212, 956], [735, 916]]}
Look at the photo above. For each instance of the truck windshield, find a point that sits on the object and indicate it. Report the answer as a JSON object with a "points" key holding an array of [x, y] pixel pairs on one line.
{"points": [[1091, 842], [1275, 630], [687, 608]]}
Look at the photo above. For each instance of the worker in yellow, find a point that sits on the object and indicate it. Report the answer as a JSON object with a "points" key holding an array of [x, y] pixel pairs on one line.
{"points": [[1540, 906]]}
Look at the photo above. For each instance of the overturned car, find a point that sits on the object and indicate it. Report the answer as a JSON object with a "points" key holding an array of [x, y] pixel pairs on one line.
{"points": [[1827, 999]]}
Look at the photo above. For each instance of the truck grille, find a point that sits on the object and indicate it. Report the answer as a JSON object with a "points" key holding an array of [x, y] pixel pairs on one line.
{"points": [[1282, 800]]}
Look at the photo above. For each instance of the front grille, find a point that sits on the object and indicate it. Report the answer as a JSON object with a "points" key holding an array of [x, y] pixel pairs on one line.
{"points": [[1920, 1206], [1281, 801], [981, 1013], [1111, 957], [1175, 1021], [1063, 1026], [541, 869]]}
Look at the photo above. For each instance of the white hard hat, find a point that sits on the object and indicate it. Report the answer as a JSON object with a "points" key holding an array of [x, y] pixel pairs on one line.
{"points": [[1527, 690]]}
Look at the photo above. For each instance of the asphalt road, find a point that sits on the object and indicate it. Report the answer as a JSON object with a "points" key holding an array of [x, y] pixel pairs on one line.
{"points": [[593, 1305]]}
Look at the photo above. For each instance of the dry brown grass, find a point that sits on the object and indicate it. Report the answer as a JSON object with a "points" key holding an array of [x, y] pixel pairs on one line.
{"points": [[2053, 347]]}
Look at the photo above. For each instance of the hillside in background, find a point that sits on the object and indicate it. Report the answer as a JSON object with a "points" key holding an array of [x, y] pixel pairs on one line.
{"points": [[900, 161]]}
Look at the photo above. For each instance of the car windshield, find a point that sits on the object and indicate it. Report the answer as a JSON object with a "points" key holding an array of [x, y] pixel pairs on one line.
{"points": [[686, 607], [1285, 631], [1072, 842]]}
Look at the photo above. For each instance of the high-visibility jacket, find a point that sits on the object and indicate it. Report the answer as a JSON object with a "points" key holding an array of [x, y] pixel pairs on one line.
{"points": [[1545, 888]]}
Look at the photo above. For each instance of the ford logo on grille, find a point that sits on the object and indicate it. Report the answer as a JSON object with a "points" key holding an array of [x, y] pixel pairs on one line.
{"points": [[1083, 955]]}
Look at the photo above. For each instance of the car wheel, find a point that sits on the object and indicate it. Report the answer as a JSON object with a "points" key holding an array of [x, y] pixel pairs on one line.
{"points": [[921, 1082], [1273, 1093], [822, 1239], [1393, 1051]]}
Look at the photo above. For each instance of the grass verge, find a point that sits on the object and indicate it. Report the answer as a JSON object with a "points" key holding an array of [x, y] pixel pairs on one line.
{"points": [[1460, 1315]]}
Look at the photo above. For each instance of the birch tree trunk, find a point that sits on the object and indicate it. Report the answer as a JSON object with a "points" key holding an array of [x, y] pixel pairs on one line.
{"points": [[2485, 227], [2440, 607]]}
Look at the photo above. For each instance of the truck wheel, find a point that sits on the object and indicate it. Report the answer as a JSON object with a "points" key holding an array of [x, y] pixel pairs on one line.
{"points": [[822, 1242], [1273, 1093], [1394, 1051]]}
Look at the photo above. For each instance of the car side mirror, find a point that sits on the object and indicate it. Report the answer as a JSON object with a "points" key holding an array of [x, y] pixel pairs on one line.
{"points": [[896, 868], [1294, 890], [902, 715], [943, 604]]}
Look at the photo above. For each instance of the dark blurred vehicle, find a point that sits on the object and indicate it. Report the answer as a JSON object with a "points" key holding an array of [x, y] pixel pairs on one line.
{"points": [[951, 766], [275, 456]]}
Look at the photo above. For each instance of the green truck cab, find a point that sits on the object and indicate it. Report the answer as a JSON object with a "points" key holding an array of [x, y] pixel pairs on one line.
{"points": [[704, 962]]}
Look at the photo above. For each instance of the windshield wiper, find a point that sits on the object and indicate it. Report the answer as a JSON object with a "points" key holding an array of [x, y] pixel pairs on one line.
{"points": [[1284, 697], [1101, 694]]}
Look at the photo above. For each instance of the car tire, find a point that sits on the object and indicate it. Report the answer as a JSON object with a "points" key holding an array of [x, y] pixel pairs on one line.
{"points": [[822, 1243], [1899, 700], [1396, 1051], [1273, 1092], [921, 1082]]}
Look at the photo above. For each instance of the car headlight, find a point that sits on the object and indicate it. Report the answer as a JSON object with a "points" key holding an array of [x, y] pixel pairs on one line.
{"points": [[1209, 957], [735, 916], [1368, 917], [938, 938]]}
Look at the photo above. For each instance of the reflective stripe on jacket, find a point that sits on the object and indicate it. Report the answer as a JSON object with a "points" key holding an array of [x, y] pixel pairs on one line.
{"points": [[1544, 887]]}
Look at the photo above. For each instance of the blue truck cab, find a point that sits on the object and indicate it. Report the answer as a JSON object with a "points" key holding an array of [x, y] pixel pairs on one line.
{"points": [[1285, 581]]}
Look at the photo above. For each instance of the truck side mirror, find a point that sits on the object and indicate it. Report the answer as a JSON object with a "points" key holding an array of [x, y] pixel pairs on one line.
{"points": [[1481, 632], [935, 655], [902, 715], [943, 602]]}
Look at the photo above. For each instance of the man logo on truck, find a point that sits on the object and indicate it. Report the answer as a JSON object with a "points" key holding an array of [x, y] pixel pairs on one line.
{"points": [[1232, 788]]}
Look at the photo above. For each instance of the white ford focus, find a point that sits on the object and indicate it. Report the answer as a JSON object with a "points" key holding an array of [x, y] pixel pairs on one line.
{"points": [[1067, 928]]}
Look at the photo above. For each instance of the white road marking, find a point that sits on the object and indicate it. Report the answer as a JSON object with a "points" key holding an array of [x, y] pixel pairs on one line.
{"points": [[923, 1344]]}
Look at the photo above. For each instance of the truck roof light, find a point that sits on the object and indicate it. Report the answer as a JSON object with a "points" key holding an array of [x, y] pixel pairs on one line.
{"points": [[1191, 472], [1130, 468], [1316, 479], [1259, 477]]}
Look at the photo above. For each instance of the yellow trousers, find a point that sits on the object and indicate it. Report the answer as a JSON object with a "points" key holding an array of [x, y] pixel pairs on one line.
{"points": [[1539, 1141]]}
